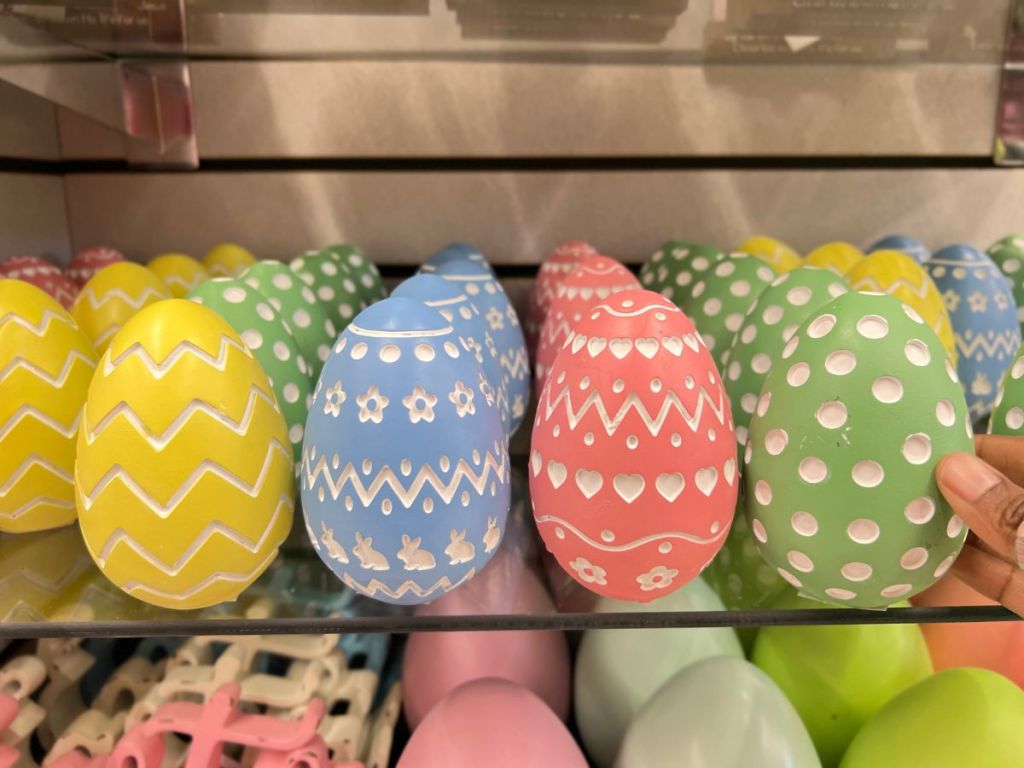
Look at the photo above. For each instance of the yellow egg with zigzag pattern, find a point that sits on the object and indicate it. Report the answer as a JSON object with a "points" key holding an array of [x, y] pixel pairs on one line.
{"points": [[46, 363], [228, 260], [895, 273], [838, 257], [112, 296], [179, 272], [773, 252], [184, 475]]}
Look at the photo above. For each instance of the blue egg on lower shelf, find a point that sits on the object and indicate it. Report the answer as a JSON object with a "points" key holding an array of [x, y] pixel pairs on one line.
{"points": [[915, 249], [405, 470], [456, 252]]}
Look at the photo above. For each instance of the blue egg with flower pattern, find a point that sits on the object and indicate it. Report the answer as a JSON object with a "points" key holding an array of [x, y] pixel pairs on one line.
{"points": [[915, 249], [984, 317], [455, 307], [457, 252], [486, 292], [405, 471]]}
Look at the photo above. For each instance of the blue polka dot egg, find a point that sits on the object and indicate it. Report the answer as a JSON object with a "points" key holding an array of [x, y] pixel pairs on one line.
{"points": [[984, 316], [405, 473]]}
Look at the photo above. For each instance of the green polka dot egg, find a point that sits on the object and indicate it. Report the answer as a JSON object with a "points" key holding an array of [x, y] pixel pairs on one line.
{"points": [[840, 461], [264, 334], [298, 306], [333, 285], [676, 267], [1008, 254], [721, 297], [770, 322], [361, 269], [1008, 414]]}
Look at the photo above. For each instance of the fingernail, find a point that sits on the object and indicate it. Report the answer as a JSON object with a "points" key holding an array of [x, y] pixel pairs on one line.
{"points": [[968, 476]]}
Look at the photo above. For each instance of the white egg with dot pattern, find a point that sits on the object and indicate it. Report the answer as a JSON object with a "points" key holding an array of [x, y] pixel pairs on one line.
{"points": [[841, 492]]}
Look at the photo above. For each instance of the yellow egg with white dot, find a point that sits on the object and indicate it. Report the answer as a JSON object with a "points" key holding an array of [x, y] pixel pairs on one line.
{"points": [[180, 273], [775, 253], [112, 296], [897, 274], [228, 260], [837, 257], [46, 363], [184, 477]]}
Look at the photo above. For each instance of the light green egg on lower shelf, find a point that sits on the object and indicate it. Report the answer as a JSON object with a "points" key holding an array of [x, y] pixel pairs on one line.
{"points": [[836, 676], [718, 713], [958, 718], [618, 670], [363, 270], [1008, 411]]}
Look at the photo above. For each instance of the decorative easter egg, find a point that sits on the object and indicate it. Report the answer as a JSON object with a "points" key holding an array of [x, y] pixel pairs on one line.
{"points": [[775, 253], [88, 261], [769, 323], [184, 473], [721, 712], [1008, 412], [677, 267], [590, 283], [984, 316], [473, 333], [1008, 255], [179, 272], [495, 723], [838, 257], [266, 336], [296, 303], [994, 645], [633, 463], [915, 249], [112, 296], [553, 270], [898, 275], [405, 473], [843, 445], [38, 570], [362, 270], [228, 260], [46, 363], [455, 252], [721, 298], [952, 719], [332, 283], [486, 292], [438, 662], [610, 690], [43, 275], [838, 677]]}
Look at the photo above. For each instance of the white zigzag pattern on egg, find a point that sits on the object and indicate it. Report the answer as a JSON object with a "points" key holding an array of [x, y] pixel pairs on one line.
{"points": [[206, 467], [38, 501], [690, 538], [159, 370], [654, 424], [375, 586], [27, 411], [41, 329], [136, 587], [1005, 342], [407, 496], [135, 302], [869, 283], [159, 442], [516, 364], [214, 528], [22, 363], [33, 460], [551, 333]]}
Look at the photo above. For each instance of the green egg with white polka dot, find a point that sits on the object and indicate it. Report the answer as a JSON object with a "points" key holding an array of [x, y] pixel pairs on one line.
{"points": [[362, 270], [265, 334], [1008, 254], [302, 314], [840, 461], [1008, 413], [721, 297], [769, 323], [333, 286], [676, 267]]}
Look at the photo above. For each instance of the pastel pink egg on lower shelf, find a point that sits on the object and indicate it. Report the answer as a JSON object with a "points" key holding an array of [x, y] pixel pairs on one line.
{"points": [[88, 261], [553, 271], [438, 662]]}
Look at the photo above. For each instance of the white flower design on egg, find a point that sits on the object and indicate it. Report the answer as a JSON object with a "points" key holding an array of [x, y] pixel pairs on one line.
{"points": [[659, 577], [334, 398], [420, 405], [462, 398], [371, 405], [588, 572]]}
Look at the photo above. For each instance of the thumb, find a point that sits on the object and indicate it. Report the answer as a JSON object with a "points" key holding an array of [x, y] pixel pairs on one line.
{"points": [[990, 505]]}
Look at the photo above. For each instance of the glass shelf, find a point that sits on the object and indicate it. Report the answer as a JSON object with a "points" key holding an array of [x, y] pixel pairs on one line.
{"points": [[635, 31], [49, 587]]}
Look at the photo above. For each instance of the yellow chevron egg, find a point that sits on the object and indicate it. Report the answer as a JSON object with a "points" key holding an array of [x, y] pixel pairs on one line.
{"points": [[775, 253], [837, 257], [112, 296], [895, 273], [179, 272], [46, 364], [228, 260], [184, 475]]}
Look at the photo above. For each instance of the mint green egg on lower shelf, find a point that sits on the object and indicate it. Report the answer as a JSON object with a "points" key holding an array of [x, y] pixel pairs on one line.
{"points": [[718, 713], [837, 677], [618, 670], [958, 718], [675, 268], [365, 273], [1008, 412]]}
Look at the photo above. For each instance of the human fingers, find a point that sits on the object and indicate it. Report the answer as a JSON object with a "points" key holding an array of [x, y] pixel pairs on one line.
{"points": [[991, 576], [1003, 452]]}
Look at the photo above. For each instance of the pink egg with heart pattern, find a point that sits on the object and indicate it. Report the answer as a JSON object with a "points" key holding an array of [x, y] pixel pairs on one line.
{"points": [[633, 470], [554, 269], [593, 281]]}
